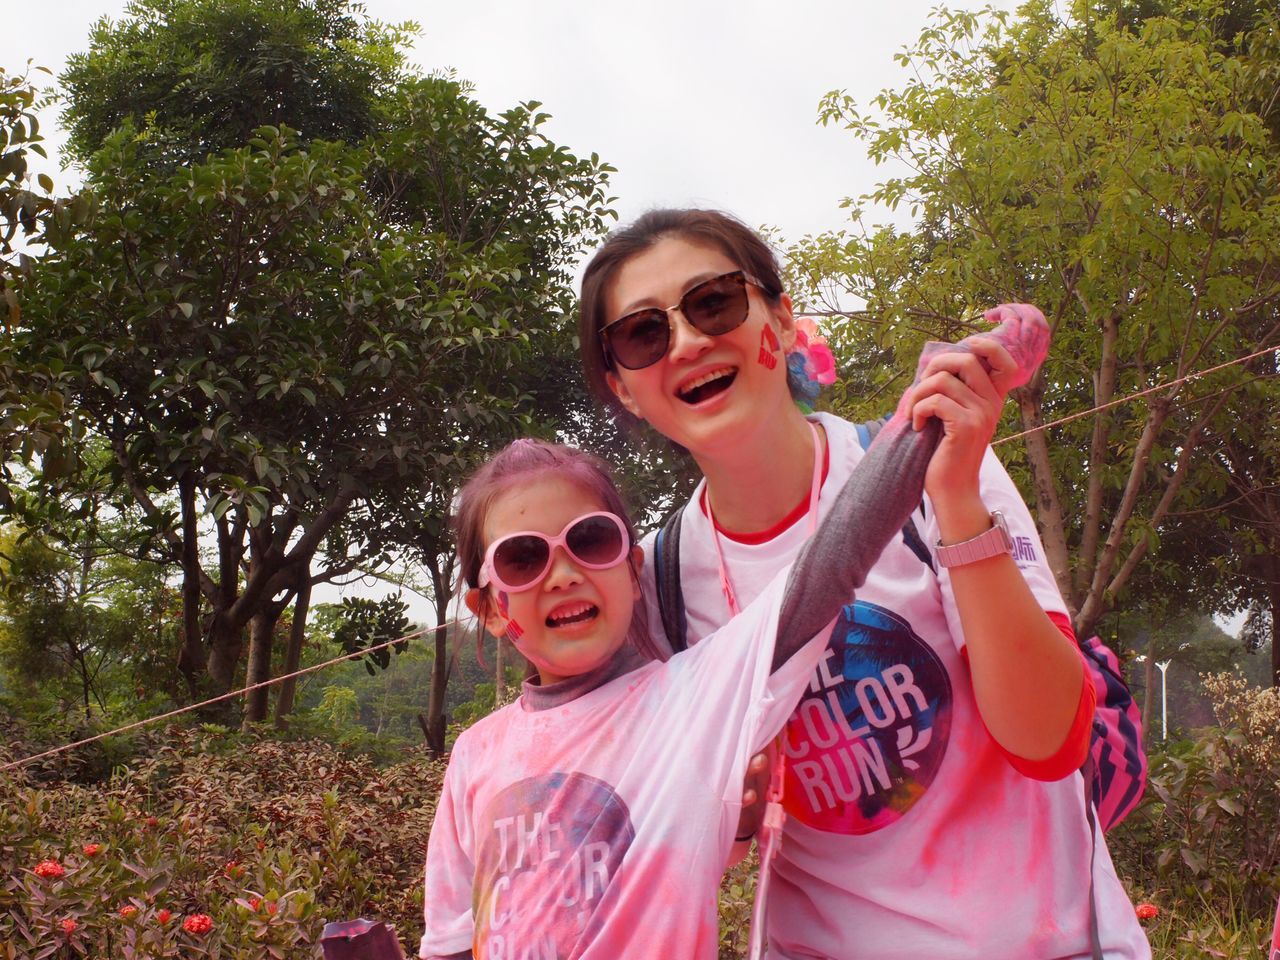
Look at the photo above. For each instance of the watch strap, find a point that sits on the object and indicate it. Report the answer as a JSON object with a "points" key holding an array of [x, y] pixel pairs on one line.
{"points": [[989, 543]]}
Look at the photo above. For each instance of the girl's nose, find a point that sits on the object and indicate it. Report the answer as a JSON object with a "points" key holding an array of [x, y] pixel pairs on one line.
{"points": [[564, 571]]}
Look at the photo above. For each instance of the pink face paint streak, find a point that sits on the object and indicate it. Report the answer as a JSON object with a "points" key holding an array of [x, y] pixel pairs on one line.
{"points": [[769, 345], [514, 630]]}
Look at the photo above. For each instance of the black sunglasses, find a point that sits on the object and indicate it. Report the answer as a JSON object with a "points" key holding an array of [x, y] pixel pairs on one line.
{"points": [[713, 307]]}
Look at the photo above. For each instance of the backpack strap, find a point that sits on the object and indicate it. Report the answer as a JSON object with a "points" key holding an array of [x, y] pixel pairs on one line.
{"points": [[666, 575], [867, 432], [1095, 940]]}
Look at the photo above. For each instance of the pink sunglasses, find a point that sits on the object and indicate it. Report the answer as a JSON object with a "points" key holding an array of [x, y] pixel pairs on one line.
{"points": [[519, 561]]}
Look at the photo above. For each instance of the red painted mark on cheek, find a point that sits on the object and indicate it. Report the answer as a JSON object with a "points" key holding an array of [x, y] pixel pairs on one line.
{"points": [[769, 345], [514, 630]]}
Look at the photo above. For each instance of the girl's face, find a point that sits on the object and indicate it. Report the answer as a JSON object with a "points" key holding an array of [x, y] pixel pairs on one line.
{"points": [[576, 618], [709, 392]]}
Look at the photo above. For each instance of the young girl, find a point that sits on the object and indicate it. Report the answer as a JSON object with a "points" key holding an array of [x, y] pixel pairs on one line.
{"points": [[933, 805], [593, 817]]}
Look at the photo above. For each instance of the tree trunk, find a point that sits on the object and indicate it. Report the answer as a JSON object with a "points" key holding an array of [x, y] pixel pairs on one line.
{"points": [[500, 672], [1148, 686], [293, 655], [436, 721], [191, 656], [225, 644], [262, 627], [1274, 591]]}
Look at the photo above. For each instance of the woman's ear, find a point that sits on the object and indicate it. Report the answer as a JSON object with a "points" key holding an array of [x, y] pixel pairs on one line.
{"points": [[786, 321], [478, 603], [623, 394]]}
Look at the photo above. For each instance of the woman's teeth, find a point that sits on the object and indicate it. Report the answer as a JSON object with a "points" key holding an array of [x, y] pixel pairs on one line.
{"points": [[707, 385]]}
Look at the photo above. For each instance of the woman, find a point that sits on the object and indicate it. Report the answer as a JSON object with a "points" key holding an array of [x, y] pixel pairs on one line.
{"points": [[933, 808]]}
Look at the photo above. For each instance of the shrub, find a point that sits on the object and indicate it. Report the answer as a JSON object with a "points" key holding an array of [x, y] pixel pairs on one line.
{"points": [[219, 846], [1207, 834]]}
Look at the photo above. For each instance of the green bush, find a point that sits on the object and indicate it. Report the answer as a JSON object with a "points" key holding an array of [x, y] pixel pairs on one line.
{"points": [[1205, 842], [266, 839]]}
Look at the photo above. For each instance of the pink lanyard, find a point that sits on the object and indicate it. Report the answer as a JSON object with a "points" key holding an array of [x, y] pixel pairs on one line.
{"points": [[770, 835], [815, 490]]}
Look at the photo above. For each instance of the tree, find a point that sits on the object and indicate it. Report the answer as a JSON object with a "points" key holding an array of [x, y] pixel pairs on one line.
{"points": [[195, 77], [79, 619], [30, 418], [1117, 176], [253, 335]]}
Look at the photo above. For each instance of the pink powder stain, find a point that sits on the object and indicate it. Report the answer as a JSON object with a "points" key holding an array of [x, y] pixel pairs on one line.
{"points": [[1022, 331]]}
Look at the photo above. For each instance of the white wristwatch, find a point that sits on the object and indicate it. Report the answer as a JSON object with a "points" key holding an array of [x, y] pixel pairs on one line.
{"points": [[992, 543]]}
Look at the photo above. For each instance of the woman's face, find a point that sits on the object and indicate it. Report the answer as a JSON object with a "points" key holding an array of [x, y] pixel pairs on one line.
{"points": [[709, 393], [575, 618]]}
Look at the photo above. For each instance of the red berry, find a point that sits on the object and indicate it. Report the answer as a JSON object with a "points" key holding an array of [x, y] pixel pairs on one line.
{"points": [[1147, 911], [49, 869], [128, 910], [68, 926], [92, 849], [163, 915]]}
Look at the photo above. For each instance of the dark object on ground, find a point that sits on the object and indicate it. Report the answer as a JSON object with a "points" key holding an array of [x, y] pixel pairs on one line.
{"points": [[360, 940]]}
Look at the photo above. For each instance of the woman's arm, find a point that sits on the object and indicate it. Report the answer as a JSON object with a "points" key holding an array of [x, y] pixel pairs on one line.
{"points": [[1027, 676]]}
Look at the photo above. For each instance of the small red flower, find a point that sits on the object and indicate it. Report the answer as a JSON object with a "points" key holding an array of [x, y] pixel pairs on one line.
{"points": [[92, 849], [272, 907], [68, 926], [254, 903], [49, 869], [128, 910], [1147, 911], [152, 822], [198, 923], [163, 915]]}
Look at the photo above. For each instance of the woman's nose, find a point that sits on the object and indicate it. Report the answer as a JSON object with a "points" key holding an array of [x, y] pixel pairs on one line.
{"points": [[687, 341]]}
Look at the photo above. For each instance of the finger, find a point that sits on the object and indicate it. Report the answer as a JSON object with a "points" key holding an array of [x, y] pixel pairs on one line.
{"points": [[749, 797], [948, 384], [971, 369], [759, 763], [956, 416]]}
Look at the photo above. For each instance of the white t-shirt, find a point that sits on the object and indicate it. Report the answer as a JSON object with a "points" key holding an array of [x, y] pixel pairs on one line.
{"points": [[909, 834], [599, 828]]}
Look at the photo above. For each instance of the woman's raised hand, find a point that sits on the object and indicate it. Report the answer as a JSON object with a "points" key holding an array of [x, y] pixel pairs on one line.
{"points": [[964, 385]]}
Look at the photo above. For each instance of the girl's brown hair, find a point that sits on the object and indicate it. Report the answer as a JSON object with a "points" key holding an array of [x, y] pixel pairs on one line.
{"points": [[713, 228]]}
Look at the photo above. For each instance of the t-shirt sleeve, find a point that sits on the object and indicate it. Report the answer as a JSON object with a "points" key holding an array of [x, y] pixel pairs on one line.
{"points": [[725, 693], [999, 493], [450, 873]]}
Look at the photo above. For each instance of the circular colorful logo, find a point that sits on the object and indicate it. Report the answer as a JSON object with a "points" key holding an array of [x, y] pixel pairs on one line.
{"points": [[870, 733], [548, 849]]}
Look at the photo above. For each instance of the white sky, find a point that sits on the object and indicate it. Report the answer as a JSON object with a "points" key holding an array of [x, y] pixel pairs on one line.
{"points": [[710, 103]]}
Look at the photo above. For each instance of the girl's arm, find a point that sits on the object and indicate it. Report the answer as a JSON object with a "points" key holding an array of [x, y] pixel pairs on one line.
{"points": [[450, 873], [886, 485], [1027, 676]]}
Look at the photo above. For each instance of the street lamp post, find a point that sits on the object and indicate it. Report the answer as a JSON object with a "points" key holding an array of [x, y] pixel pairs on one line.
{"points": [[1164, 689]]}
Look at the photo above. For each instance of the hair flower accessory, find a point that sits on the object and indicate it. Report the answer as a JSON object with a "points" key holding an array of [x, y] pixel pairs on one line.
{"points": [[810, 364]]}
